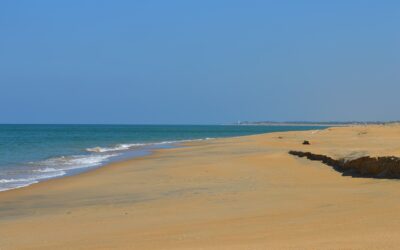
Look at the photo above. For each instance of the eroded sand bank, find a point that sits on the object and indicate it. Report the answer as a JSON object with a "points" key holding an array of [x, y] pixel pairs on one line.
{"points": [[234, 193]]}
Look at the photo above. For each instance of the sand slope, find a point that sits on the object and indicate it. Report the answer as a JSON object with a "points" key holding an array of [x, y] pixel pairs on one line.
{"points": [[234, 193]]}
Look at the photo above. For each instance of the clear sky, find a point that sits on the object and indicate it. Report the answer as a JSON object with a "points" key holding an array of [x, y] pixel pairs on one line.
{"points": [[198, 61]]}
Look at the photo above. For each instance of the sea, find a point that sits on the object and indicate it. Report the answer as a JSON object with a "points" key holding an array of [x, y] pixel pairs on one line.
{"points": [[33, 153]]}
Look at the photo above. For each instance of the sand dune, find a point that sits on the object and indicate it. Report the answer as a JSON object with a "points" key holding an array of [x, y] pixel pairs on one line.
{"points": [[234, 193]]}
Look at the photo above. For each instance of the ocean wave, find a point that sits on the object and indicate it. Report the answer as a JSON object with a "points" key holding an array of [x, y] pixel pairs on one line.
{"points": [[51, 168], [15, 186], [181, 141], [118, 147], [122, 147], [34, 178], [73, 162], [45, 170], [15, 180], [13, 183]]}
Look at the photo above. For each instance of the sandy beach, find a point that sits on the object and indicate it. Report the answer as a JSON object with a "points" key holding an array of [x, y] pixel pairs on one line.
{"points": [[233, 193]]}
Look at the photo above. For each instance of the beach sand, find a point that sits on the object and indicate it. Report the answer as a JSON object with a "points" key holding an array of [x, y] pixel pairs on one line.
{"points": [[233, 193]]}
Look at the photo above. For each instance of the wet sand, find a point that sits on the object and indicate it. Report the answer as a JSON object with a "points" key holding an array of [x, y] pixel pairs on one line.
{"points": [[234, 193]]}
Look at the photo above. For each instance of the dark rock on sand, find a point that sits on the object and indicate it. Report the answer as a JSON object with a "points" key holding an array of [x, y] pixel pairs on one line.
{"points": [[386, 167], [306, 143]]}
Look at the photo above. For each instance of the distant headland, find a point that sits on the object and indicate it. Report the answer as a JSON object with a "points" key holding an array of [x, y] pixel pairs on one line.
{"points": [[314, 123]]}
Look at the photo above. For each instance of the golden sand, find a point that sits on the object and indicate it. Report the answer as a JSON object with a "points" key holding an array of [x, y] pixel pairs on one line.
{"points": [[234, 193]]}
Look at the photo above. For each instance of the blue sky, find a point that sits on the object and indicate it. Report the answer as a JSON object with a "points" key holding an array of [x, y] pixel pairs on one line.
{"points": [[198, 61]]}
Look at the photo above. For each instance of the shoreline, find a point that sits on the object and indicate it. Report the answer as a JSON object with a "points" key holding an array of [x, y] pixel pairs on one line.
{"points": [[226, 193], [74, 149], [93, 157], [147, 152], [120, 156]]}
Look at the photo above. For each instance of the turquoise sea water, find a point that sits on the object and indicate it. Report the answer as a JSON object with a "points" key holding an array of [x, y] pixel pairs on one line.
{"points": [[31, 153]]}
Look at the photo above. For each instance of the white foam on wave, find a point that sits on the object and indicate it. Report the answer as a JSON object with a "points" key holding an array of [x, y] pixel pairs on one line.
{"points": [[53, 167], [118, 147], [73, 162], [13, 183], [181, 141], [14, 180], [34, 177], [45, 170], [122, 147]]}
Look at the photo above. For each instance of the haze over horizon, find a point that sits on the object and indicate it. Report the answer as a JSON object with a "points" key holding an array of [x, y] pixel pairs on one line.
{"points": [[205, 62]]}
